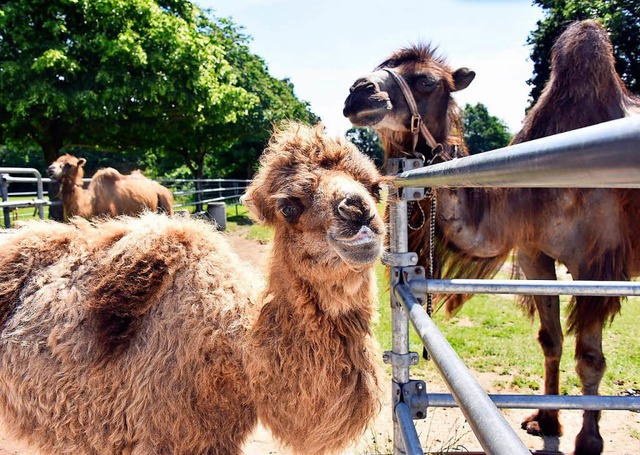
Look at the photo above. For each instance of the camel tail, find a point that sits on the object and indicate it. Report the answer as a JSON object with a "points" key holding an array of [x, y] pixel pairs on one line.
{"points": [[165, 201]]}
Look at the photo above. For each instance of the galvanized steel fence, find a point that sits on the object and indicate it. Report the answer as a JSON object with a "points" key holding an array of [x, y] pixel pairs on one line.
{"points": [[187, 192], [601, 156]]}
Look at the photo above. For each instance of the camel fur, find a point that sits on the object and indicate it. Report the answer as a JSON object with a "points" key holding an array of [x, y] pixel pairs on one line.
{"points": [[143, 336], [109, 194]]}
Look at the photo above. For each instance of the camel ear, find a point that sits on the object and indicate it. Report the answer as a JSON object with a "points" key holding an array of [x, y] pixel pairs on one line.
{"points": [[462, 77], [81, 162], [260, 208]]}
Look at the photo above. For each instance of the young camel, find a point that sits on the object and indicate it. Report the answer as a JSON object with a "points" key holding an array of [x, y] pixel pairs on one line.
{"points": [[109, 193], [141, 335], [593, 232]]}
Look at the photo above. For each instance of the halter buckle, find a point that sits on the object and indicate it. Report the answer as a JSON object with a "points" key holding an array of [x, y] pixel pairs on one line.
{"points": [[415, 123]]}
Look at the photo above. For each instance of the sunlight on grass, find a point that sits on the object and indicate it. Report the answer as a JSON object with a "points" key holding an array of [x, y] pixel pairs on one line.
{"points": [[238, 219]]}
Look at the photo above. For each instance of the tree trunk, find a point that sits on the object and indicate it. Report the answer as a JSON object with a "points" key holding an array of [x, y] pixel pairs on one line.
{"points": [[199, 174]]}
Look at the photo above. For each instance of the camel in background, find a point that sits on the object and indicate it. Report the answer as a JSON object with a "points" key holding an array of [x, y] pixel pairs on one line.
{"points": [[109, 193], [593, 232], [141, 335]]}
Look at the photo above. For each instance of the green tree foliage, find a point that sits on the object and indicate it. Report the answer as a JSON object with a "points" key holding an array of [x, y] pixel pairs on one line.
{"points": [[368, 142], [482, 131], [619, 17], [113, 74], [275, 103], [176, 86]]}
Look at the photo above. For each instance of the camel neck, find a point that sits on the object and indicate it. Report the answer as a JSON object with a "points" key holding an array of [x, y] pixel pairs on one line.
{"points": [[75, 199], [325, 290]]}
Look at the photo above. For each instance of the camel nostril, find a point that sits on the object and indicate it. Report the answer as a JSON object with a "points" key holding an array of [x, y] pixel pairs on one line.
{"points": [[362, 84], [353, 208]]}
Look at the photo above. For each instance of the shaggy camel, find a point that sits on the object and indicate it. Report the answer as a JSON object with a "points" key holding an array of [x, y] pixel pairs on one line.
{"points": [[590, 231], [139, 335], [110, 193]]}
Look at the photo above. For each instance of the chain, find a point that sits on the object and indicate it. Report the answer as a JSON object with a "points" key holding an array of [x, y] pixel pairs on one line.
{"points": [[432, 231], [432, 235], [415, 228]]}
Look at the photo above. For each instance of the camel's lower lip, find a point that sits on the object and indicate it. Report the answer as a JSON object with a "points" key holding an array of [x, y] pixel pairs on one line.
{"points": [[364, 236]]}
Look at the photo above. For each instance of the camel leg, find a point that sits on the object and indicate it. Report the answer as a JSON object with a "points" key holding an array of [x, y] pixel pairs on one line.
{"points": [[590, 367], [538, 266]]}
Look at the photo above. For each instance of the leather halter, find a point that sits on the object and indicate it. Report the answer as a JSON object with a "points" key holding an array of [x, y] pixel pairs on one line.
{"points": [[417, 124]]}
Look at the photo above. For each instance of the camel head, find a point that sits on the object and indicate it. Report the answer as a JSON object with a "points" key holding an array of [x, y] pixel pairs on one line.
{"points": [[68, 168], [320, 195], [377, 101]]}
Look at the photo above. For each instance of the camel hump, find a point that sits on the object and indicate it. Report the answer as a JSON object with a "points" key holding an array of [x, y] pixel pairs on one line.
{"points": [[129, 277], [107, 174], [25, 254]]}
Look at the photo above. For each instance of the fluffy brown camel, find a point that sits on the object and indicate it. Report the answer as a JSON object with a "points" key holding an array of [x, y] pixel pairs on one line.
{"points": [[141, 335], [590, 231], [109, 193]]}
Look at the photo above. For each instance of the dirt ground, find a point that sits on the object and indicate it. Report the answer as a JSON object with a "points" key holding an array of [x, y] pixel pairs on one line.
{"points": [[443, 430]]}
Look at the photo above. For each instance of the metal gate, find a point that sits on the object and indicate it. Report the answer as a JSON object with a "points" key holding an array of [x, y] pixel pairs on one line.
{"points": [[601, 156]]}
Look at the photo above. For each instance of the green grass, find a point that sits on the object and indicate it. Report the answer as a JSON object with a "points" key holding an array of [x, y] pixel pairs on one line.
{"points": [[238, 218]]}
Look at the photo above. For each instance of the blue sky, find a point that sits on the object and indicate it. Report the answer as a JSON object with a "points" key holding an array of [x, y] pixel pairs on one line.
{"points": [[324, 46]]}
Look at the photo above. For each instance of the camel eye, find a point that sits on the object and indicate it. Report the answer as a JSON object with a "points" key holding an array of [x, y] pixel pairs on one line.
{"points": [[290, 208], [288, 211], [427, 83]]}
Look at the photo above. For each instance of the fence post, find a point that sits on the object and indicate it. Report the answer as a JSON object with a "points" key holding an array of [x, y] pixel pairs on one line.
{"points": [[4, 190]]}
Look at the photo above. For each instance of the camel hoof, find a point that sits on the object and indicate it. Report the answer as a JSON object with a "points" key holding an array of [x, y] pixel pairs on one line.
{"points": [[588, 443], [543, 424]]}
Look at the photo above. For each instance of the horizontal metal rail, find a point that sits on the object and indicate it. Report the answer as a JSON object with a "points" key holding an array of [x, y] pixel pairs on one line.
{"points": [[606, 155], [586, 402], [39, 202], [488, 424], [527, 287], [209, 201], [209, 190], [30, 203], [204, 181]]}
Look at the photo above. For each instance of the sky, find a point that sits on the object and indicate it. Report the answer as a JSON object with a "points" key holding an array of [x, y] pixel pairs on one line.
{"points": [[324, 46]]}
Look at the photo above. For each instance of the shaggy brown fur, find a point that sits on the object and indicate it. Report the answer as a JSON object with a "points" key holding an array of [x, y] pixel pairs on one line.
{"points": [[139, 335], [109, 194], [590, 231]]}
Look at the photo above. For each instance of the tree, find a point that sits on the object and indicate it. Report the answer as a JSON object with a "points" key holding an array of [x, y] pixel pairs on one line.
{"points": [[619, 17], [368, 142], [482, 131], [112, 74], [275, 103]]}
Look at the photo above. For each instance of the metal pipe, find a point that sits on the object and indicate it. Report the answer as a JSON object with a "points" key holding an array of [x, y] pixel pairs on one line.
{"points": [[527, 287], [488, 424], [598, 156], [39, 188], [398, 243], [408, 430], [4, 192], [577, 402]]}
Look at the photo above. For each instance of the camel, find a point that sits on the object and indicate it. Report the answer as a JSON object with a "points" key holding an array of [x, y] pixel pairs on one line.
{"points": [[109, 193], [590, 231], [142, 335]]}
